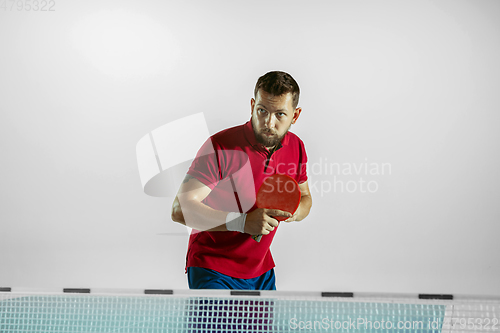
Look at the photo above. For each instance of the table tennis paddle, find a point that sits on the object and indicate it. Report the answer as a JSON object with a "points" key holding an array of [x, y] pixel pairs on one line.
{"points": [[278, 192]]}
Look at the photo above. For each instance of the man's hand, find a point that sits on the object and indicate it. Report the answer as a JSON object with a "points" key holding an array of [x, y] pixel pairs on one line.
{"points": [[261, 221], [294, 217]]}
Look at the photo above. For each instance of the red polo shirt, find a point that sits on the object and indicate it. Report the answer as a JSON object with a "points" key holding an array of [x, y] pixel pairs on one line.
{"points": [[234, 165]]}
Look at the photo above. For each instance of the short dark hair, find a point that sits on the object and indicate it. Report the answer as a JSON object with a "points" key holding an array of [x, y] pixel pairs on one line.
{"points": [[278, 83]]}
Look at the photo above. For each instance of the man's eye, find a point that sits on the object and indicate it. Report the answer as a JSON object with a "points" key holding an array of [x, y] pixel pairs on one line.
{"points": [[261, 110]]}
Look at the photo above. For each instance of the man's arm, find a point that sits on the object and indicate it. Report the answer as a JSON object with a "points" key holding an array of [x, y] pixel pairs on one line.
{"points": [[305, 204], [194, 213], [189, 210]]}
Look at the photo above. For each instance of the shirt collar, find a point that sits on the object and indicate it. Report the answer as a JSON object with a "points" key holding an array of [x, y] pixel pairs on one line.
{"points": [[250, 136]]}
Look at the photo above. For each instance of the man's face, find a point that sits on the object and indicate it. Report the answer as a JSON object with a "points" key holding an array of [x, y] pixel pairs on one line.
{"points": [[272, 117]]}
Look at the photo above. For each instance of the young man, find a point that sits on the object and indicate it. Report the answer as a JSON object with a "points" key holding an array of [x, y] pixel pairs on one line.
{"points": [[217, 196]]}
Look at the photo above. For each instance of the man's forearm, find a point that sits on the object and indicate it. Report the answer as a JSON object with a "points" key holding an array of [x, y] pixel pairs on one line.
{"points": [[304, 207], [198, 216]]}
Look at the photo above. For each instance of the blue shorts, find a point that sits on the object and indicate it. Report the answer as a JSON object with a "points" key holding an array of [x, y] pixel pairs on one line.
{"points": [[203, 278]]}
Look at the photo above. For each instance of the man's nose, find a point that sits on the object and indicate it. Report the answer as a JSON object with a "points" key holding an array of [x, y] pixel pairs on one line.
{"points": [[270, 121]]}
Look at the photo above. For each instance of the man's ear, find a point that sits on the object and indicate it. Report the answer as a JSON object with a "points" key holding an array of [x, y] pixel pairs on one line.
{"points": [[296, 115]]}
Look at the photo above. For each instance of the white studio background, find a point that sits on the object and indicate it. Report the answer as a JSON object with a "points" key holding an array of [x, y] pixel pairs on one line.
{"points": [[400, 97]]}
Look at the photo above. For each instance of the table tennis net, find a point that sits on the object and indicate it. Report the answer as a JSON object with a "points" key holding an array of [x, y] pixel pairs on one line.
{"points": [[20, 312]]}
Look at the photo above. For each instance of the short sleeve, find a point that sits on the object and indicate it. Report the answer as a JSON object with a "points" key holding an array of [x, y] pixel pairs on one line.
{"points": [[205, 167], [302, 163]]}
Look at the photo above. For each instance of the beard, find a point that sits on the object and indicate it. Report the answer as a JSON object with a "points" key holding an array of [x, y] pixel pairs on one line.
{"points": [[268, 140]]}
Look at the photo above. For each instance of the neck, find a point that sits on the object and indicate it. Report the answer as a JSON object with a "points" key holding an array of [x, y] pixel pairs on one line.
{"points": [[272, 149]]}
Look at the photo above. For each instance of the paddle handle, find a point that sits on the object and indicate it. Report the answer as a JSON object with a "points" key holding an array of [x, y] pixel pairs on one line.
{"points": [[257, 238]]}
